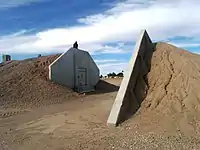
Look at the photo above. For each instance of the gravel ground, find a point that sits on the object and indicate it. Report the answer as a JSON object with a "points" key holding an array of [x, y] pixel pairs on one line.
{"points": [[37, 114]]}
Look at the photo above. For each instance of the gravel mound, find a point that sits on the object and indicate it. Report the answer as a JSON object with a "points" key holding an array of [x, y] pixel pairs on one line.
{"points": [[25, 84], [173, 98], [174, 80]]}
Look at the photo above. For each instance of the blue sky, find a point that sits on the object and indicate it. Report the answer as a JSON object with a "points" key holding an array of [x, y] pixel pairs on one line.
{"points": [[107, 29]]}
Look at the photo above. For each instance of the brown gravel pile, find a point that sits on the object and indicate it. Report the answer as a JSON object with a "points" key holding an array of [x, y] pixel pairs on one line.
{"points": [[25, 84], [173, 96], [174, 80]]}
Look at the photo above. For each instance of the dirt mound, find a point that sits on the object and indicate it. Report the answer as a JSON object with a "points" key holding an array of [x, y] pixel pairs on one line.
{"points": [[174, 80], [25, 84], [173, 89]]}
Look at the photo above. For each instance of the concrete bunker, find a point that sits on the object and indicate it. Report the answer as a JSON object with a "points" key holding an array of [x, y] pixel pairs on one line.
{"points": [[133, 86], [6, 58], [75, 69]]}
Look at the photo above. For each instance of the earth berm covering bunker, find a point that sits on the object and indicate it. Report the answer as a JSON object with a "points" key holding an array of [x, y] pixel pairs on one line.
{"points": [[161, 80]]}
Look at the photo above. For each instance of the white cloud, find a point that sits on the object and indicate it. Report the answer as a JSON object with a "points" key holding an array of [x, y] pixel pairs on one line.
{"points": [[17, 43], [92, 19], [22, 44], [185, 45], [196, 53], [105, 60], [19, 33], [4, 4], [120, 24], [105, 49], [112, 67]]}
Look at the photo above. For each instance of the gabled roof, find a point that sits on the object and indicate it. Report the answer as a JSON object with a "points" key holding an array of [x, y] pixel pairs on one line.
{"points": [[66, 52]]}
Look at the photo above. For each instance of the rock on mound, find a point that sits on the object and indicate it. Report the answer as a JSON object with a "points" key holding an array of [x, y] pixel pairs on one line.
{"points": [[25, 84], [174, 88]]}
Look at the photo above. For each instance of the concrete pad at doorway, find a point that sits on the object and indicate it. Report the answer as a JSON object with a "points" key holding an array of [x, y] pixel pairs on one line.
{"points": [[133, 86]]}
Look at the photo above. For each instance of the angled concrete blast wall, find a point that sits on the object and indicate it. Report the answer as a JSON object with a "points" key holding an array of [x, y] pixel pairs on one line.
{"points": [[134, 85]]}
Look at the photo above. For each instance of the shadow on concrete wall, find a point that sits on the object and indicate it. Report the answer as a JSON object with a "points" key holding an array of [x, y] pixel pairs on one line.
{"points": [[104, 87], [136, 95]]}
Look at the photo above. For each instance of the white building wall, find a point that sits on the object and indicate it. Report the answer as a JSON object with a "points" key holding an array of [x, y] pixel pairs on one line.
{"points": [[62, 70], [94, 71]]}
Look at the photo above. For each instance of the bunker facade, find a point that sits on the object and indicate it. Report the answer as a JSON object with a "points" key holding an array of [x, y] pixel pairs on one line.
{"points": [[6, 58], [75, 69]]}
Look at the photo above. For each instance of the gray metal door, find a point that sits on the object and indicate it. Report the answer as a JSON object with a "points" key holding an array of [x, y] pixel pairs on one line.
{"points": [[82, 78]]}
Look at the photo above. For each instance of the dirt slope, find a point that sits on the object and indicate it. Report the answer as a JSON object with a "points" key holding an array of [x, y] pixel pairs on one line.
{"points": [[174, 80], [24, 84], [173, 98], [168, 113]]}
